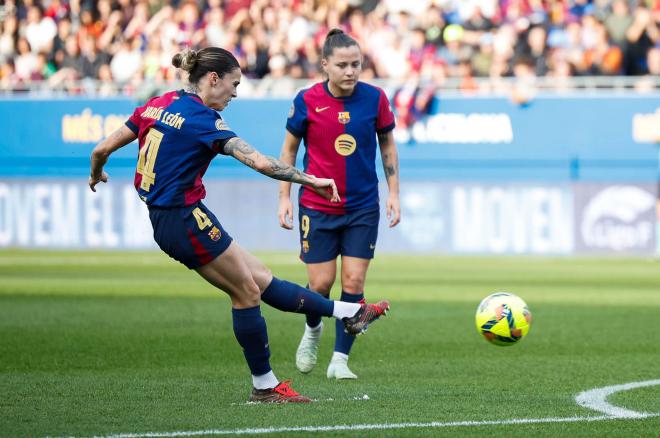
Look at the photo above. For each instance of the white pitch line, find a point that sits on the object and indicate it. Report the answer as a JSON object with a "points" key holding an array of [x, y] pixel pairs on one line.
{"points": [[595, 399], [355, 427], [591, 399]]}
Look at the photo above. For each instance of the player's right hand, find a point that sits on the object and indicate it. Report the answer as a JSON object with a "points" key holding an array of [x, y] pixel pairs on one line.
{"points": [[94, 181], [327, 188], [285, 213]]}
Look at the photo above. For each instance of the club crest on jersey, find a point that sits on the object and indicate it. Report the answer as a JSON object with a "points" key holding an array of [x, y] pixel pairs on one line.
{"points": [[345, 145], [215, 234], [344, 117], [305, 246]]}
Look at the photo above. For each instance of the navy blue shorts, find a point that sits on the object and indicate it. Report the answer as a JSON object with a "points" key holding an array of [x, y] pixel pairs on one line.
{"points": [[325, 236], [191, 235]]}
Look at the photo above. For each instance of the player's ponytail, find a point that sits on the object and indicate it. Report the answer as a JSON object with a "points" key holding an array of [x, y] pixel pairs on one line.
{"points": [[199, 62], [336, 38]]}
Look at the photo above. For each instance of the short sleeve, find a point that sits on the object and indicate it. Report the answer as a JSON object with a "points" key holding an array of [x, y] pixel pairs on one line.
{"points": [[385, 118], [133, 122], [215, 132], [296, 122]]}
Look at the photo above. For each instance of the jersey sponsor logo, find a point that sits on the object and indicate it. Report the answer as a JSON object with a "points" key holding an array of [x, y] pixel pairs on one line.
{"points": [[220, 125], [372, 246], [344, 117], [318, 110], [215, 234], [345, 145]]}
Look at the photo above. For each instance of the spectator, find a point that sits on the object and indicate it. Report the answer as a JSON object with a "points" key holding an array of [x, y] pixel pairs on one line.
{"points": [[127, 61], [618, 23], [26, 61], [642, 34], [8, 38], [482, 59], [8, 78], [71, 59], [91, 58], [39, 30], [536, 50]]}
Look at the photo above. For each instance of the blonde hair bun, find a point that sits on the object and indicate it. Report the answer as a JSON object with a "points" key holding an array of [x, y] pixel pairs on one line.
{"points": [[185, 60]]}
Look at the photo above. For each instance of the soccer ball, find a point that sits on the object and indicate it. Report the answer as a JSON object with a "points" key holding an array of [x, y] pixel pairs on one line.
{"points": [[503, 318]]}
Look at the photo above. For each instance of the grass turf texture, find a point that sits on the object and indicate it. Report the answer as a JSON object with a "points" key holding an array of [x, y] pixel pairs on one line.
{"points": [[105, 343]]}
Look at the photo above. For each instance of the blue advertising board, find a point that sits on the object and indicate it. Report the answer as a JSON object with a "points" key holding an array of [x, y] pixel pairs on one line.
{"points": [[548, 139]]}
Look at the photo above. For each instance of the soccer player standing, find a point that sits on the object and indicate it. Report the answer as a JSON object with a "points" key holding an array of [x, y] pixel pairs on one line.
{"points": [[179, 133], [340, 120]]}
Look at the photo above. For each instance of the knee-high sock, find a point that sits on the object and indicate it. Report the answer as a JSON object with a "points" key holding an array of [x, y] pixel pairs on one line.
{"points": [[313, 320], [344, 341], [250, 331], [290, 297]]}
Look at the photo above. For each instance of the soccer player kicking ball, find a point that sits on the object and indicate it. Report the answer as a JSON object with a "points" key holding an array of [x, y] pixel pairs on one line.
{"points": [[179, 133]]}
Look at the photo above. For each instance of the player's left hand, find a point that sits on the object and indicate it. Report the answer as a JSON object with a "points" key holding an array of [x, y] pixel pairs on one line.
{"points": [[94, 181], [327, 188], [393, 210]]}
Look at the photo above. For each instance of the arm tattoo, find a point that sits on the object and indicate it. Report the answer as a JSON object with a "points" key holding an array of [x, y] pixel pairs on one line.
{"points": [[237, 144], [276, 169], [388, 167], [285, 172], [382, 138]]}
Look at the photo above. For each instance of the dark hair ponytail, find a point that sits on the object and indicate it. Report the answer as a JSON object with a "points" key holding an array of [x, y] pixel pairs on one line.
{"points": [[199, 62], [336, 38]]}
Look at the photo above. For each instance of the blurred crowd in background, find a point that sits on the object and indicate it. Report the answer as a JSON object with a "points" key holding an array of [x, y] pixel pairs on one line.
{"points": [[131, 43]]}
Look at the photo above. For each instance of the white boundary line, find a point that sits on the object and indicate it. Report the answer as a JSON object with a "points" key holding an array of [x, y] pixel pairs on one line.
{"points": [[595, 399], [592, 399]]}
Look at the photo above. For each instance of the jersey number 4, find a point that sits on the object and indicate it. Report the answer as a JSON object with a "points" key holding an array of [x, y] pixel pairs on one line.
{"points": [[147, 159]]}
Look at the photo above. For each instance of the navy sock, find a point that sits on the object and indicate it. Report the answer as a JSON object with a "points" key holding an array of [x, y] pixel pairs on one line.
{"points": [[290, 297], [313, 320], [250, 331], [344, 341]]}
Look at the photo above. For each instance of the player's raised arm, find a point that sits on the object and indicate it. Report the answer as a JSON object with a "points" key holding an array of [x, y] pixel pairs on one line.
{"points": [[274, 168], [390, 158], [121, 137], [288, 156]]}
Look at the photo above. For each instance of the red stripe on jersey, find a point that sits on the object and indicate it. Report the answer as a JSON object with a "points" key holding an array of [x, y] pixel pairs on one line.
{"points": [[197, 191], [323, 161], [201, 252]]}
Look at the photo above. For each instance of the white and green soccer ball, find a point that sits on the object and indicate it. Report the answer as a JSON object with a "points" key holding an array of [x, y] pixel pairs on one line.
{"points": [[503, 318]]}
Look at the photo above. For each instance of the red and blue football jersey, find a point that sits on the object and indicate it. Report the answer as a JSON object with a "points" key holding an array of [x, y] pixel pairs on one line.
{"points": [[178, 137], [340, 142]]}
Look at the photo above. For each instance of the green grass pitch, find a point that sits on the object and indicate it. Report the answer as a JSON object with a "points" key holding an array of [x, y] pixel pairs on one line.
{"points": [[104, 343]]}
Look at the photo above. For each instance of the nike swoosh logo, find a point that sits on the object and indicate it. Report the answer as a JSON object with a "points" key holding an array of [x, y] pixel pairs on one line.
{"points": [[318, 110]]}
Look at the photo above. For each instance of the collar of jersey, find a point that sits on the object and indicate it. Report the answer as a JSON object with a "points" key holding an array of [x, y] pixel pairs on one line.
{"points": [[193, 95], [327, 90]]}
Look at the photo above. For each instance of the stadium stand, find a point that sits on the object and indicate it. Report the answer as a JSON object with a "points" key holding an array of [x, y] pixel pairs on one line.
{"points": [[109, 47]]}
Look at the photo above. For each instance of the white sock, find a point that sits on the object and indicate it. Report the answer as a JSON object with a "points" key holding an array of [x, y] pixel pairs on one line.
{"points": [[314, 331], [339, 357], [265, 381], [345, 310]]}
